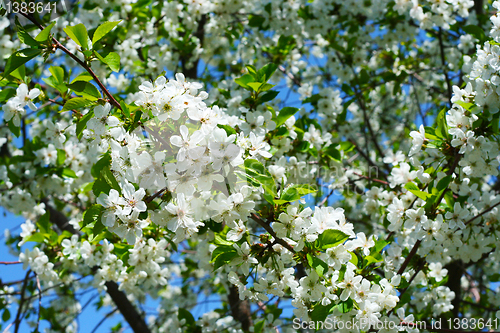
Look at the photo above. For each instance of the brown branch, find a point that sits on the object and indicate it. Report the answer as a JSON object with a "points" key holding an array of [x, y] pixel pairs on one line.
{"points": [[290, 76], [58, 45], [484, 212], [409, 257], [39, 302], [127, 309], [240, 310], [443, 60], [270, 230], [156, 195], [21, 302], [371, 179], [9, 262]]}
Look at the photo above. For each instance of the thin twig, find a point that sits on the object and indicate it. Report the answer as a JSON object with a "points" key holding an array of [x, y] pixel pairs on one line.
{"points": [[156, 195], [484, 212], [75, 58], [270, 230], [409, 257], [109, 314], [21, 302], [9, 262], [39, 302]]}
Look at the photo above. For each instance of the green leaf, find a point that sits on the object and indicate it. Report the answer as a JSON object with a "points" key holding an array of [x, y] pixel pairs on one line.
{"points": [[69, 173], [19, 58], [104, 162], [443, 183], [295, 192], [185, 314], [267, 71], [255, 85], [6, 315], [58, 73], [23, 35], [84, 76], [253, 71], [82, 124], [14, 129], [229, 130], [100, 186], [77, 103], [376, 257], [317, 264], [346, 146], [78, 33], [467, 106], [475, 31], [284, 114], [244, 80], [430, 133], [105, 182], [320, 312], [37, 238], [97, 234], [268, 96], [7, 93], [441, 125], [113, 61], [85, 89], [354, 259], [110, 179], [61, 156], [223, 255], [103, 30], [92, 214], [259, 327], [219, 240], [330, 238], [332, 152], [260, 87], [257, 173], [414, 189], [346, 306], [45, 33], [448, 197]]}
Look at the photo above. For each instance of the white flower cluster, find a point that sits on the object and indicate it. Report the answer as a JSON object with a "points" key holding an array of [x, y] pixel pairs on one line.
{"points": [[434, 13], [184, 152], [14, 108]]}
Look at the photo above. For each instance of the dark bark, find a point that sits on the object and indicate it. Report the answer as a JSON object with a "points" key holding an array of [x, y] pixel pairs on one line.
{"points": [[192, 72], [455, 272], [478, 7], [240, 310], [127, 309]]}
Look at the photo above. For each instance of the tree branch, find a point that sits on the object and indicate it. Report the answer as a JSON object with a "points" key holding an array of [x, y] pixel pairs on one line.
{"points": [[270, 230], [127, 309], [21, 302], [58, 45]]}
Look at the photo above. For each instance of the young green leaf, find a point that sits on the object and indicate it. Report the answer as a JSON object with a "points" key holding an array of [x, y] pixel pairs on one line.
{"points": [[76, 103], [23, 35], [103, 30], [19, 58], [113, 61], [284, 114], [45, 33], [78, 33], [330, 238]]}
